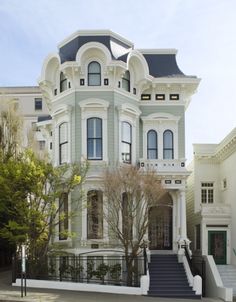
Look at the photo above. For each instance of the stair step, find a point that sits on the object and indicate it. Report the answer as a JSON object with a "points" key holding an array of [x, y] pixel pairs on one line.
{"points": [[168, 278], [174, 295]]}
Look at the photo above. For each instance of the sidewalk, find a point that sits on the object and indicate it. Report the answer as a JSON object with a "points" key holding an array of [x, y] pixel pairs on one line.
{"points": [[9, 293]]}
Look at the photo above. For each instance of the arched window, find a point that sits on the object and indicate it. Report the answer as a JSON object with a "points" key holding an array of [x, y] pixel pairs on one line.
{"points": [[94, 138], [94, 74], [168, 145], [152, 145], [126, 143], [127, 217], [63, 143], [63, 217], [95, 214], [126, 81], [63, 82]]}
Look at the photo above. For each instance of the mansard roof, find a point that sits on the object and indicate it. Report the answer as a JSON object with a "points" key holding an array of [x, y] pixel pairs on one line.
{"points": [[161, 62], [115, 44]]}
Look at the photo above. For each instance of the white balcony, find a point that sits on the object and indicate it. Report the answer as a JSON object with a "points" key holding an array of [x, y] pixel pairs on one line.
{"points": [[216, 210], [163, 165]]}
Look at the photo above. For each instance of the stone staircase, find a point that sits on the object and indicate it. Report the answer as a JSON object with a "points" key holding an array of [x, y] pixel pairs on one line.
{"points": [[168, 278], [228, 276]]}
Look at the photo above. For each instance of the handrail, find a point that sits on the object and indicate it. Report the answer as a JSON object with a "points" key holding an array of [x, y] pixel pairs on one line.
{"points": [[188, 257], [145, 260]]}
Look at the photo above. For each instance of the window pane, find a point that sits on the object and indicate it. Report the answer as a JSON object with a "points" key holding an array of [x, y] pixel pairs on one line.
{"points": [[152, 139], [94, 80], [95, 214], [94, 67], [63, 153], [168, 139], [126, 81], [98, 128], [90, 148], [63, 133], [90, 127], [168, 154], [204, 196], [126, 132], [98, 148], [38, 104], [126, 152], [152, 154]]}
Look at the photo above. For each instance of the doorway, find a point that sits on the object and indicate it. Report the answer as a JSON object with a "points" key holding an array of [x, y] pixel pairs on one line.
{"points": [[217, 246], [160, 225]]}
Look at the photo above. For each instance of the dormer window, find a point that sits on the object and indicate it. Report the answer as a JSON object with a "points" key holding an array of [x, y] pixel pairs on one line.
{"points": [[63, 82], [94, 74], [126, 81]]}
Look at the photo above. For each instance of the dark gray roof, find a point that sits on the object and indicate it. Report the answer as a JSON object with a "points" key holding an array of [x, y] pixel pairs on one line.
{"points": [[160, 65], [69, 50], [43, 118], [163, 65]]}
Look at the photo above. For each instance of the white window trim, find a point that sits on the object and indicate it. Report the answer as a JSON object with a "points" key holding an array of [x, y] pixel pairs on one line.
{"points": [[161, 122], [207, 188], [94, 108], [129, 114], [61, 115]]}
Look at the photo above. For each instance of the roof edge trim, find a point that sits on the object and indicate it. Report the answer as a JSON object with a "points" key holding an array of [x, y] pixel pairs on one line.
{"points": [[158, 51], [102, 32]]}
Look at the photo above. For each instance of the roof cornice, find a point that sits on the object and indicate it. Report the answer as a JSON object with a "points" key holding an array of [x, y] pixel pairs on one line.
{"points": [[102, 32]]}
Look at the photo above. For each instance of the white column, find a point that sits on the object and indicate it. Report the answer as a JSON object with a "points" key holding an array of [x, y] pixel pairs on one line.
{"points": [[84, 220], [183, 224], [105, 223]]}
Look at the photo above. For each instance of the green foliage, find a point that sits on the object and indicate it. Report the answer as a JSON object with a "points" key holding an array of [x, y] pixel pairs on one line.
{"points": [[115, 271], [30, 194], [101, 271]]}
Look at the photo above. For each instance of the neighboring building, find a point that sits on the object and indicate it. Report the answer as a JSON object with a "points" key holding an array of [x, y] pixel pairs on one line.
{"points": [[211, 196], [28, 102], [113, 104]]}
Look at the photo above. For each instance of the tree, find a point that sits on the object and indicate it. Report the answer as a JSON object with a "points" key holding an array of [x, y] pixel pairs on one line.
{"points": [[129, 196], [10, 130], [32, 192]]}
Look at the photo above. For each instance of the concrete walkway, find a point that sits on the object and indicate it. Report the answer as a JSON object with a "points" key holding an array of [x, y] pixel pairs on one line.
{"points": [[9, 293]]}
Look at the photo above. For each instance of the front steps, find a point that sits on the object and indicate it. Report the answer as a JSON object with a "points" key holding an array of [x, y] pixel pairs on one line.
{"points": [[228, 276], [168, 278]]}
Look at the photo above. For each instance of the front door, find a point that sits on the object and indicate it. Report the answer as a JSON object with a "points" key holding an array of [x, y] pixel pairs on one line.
{"points": [[160, 228], [217, 246]]}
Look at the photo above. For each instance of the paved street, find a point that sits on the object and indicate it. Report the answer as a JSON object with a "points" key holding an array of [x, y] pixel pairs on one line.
{"points": [[9, 293]]}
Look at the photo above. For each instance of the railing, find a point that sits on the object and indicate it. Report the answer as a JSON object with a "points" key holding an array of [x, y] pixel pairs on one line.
{"points": [[88, 268], [197, 266]]}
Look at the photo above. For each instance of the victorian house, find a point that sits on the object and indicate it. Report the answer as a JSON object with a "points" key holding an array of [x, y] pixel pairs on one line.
{"points": [[110, 104]]}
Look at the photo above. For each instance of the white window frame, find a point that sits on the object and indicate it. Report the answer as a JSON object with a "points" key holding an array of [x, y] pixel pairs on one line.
{"points": [[160, 122], [130, 114], [208, 188], [94, 108], [60, 115]]}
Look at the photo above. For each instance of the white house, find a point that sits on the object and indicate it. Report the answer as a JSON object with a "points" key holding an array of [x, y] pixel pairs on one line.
{"points": [[211, 207]]}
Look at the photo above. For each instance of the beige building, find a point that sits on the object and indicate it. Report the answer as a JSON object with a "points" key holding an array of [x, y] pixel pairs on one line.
{"points": [[29, 103]]}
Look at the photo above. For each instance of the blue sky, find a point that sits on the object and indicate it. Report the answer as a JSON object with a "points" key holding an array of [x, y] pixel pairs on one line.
{"points": [[203, 31]]}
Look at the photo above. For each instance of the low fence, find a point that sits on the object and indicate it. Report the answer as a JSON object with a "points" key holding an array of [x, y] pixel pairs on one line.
{"points": [[110, 270]]}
